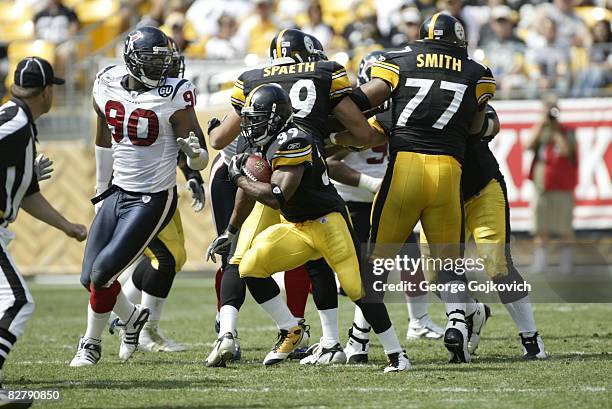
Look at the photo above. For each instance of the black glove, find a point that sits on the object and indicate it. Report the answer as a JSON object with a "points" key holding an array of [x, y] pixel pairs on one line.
{"points": [[235, 166], [212, 124], [198, 196]]}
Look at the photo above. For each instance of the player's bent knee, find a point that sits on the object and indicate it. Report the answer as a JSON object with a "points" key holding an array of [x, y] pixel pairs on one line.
{"points": [[251, 264]]}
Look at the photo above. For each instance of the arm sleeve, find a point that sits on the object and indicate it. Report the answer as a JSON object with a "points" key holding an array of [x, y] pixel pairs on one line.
{"points": [[387, 71], [485, 87], [238, 97], [340, 84], [33, 188], [296, 151]]}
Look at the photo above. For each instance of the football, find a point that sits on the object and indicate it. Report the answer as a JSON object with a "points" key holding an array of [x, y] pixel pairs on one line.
{"points": [[257, 169]]}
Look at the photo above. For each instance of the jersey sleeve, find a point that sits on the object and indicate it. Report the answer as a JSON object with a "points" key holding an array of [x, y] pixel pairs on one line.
{"points": [[296, 151], [485, 87], [238, 97], [340, 84], [98, 84], [387, 71], [184, 95]]}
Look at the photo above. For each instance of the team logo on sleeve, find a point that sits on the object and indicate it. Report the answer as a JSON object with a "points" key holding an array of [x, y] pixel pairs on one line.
{"points": [[165, 90]]}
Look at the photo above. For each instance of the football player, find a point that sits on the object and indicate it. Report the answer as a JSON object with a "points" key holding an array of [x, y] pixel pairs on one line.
{"points": [[438, 97], [317, 88], [487, 219], [142, 117], [149, 280], [357, 176], [314, 225]]}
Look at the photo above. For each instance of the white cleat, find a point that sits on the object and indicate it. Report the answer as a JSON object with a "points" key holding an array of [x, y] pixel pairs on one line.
{"points": [[398, 362], [533, 347], [476, 323], [131, 334], [424, 328], [152, 339], [223, 351], [356, 349], [319, 355], [456, 338], [89, 352]]}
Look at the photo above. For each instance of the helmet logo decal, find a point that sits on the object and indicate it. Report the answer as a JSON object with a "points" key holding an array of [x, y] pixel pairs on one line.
{"points": [[309, 44], [438, 32], [459, 31], [132, 38]]}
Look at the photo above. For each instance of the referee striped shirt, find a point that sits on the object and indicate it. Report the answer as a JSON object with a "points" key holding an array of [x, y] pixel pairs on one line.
{"points": [[17, 154]]}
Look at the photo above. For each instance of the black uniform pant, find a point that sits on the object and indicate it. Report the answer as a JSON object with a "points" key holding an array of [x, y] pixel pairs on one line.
{"points": [[124, 226]]}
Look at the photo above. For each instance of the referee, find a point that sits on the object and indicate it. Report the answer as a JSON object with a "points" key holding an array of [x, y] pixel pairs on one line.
{"points": [[20, 171]]}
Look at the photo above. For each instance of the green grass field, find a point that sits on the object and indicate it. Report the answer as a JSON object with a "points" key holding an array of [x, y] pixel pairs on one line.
{"points": [[578, 375]]}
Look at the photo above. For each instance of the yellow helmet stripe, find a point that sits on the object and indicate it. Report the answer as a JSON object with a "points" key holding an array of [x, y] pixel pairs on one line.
{"points": [[248, 99], [432, 25], [278, 43]]}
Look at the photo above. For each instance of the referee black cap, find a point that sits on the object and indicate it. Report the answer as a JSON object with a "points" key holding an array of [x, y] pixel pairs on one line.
{"points": [[32, 72]]}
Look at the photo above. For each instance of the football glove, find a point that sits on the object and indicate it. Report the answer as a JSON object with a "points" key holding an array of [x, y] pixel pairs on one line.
{"points": [[198, 196], [212, 124], [221, 244], [42, 167], [235, 166], [190, 145]]}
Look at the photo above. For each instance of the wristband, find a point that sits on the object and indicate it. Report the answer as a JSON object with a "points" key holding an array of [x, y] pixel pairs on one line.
{"points": [[104, 167], [369, 183]]}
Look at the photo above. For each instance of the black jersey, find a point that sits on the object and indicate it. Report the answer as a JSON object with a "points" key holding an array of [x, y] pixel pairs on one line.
{"points": [[316, 196], [479, 167], [315, 89], [437, 89]]}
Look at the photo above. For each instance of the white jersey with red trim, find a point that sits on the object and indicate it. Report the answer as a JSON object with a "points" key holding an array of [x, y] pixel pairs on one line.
{"points": [[373, 162], [143, 140]]}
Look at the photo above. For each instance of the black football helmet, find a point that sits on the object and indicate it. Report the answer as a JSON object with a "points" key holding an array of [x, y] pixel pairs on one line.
{"points": [[297, 45], [147, 54], [267, 110], [445, 28], [364, 72], [177, 68]]}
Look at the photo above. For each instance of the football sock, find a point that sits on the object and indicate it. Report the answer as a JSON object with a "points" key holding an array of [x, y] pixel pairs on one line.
{"points": [[218, 279], [361, 326], [7, 340], [228, 316], [131, 291], [417, 307], [278, 310], [123, 307], [297, 287], [154, 304], [521, 312], [329, 327], [96, 322], [389, 341]]}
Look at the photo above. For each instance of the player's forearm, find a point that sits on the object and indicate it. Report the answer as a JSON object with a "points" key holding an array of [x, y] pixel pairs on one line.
{"points": [[341, 172], [262, 192], [38, 207], [243, 206], [226, 132]]}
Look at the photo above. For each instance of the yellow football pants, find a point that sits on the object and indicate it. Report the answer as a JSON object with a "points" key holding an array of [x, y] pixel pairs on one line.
{"points": [[418, 187], [288, 245], [486, 219], [261, 218], [170, 242]]}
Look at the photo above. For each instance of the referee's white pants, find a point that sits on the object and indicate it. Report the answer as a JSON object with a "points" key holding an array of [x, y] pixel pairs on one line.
{"points": [[16, 302]]}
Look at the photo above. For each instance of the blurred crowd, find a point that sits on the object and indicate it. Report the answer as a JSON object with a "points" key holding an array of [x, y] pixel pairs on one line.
{"points": [[564, 45]]}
